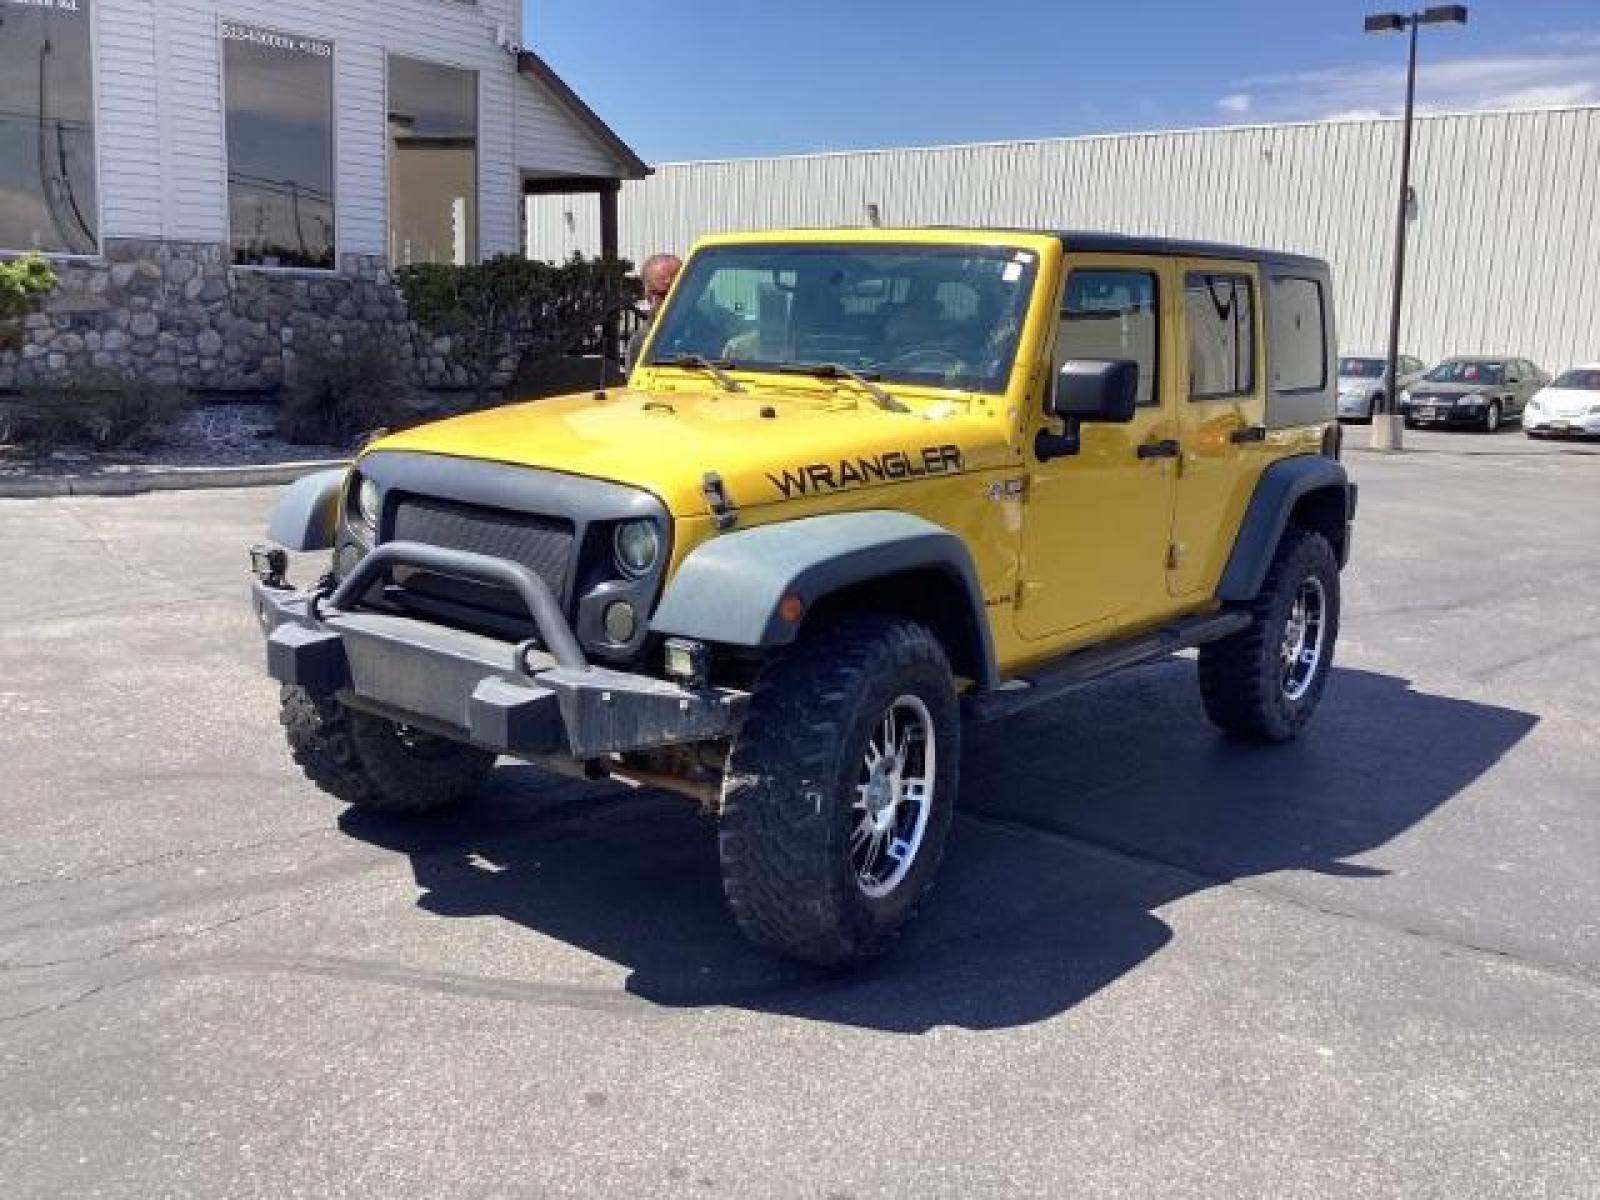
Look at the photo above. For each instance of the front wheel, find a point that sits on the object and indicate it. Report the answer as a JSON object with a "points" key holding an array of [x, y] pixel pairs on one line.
{"points": [[376, 764], [839, 791], [1491, 417], [1265, 681]]}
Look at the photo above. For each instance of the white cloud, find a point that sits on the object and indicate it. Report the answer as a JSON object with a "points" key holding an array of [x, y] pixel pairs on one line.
{"points": [[1238, 102], [1575, 38], [1449, 85]]}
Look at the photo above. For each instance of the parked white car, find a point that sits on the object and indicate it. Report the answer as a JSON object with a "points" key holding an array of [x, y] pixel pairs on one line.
{"points": [[1361, 382], [1569, 406]]}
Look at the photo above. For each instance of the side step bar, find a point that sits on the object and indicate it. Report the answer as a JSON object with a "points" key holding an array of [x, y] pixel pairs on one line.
{"points": [[1085, 666]]}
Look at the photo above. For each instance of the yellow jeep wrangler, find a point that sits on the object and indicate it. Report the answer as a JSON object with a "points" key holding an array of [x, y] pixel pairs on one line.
{"points": [[862, 486]]}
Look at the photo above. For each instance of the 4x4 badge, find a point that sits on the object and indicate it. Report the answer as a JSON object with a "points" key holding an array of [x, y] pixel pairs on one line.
{"points": [[1005, 489]]}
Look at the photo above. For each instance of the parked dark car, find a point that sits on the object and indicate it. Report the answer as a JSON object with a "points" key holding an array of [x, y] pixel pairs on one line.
{"points": [[1482, 393]]}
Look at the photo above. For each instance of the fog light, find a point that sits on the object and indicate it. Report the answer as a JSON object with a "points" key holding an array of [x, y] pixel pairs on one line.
{"points": [[269, 564], [620, 622], [687, 661]]}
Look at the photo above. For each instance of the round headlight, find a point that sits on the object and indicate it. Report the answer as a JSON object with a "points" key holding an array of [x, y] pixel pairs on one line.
{"points": [[637, 545], [368, 501]]}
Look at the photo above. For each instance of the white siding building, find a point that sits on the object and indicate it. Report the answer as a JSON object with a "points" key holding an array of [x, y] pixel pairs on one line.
{"points": [[218, 178], [1505, 244]]}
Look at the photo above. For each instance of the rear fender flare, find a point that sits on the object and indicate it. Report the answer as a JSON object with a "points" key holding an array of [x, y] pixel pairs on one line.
{"points": [[1281, 487]]}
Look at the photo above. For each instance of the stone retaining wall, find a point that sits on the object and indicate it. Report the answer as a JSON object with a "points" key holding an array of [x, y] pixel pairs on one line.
{"points": [[177, 313]]}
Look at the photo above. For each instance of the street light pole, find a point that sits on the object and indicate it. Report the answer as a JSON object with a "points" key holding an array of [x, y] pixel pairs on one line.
{"points": [[1388, 422]]}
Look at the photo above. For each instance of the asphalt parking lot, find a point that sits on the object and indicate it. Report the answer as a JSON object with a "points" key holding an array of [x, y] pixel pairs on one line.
{"points": [[1158, 963]]}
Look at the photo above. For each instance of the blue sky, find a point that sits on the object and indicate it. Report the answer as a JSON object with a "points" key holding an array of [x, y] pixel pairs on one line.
{"points": [[686, 79]]}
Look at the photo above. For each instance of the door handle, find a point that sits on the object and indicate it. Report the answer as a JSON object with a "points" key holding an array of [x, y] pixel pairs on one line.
{"points": [[1250, 433], [1166, 448]]}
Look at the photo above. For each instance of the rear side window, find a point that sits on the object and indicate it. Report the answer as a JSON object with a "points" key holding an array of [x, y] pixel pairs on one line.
{"points": [[1112, 314], [1297, 350], [1220, 312]]}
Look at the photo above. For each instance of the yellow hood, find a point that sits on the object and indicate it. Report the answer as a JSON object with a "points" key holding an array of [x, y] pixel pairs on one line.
{"points": [[768, 446]]}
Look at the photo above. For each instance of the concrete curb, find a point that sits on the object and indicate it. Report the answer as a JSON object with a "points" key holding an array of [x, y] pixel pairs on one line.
{"points": [[137, 480]]}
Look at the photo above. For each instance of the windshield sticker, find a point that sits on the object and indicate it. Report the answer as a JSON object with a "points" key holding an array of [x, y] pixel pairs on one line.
{"points": [[816, 478], [1012, 273]]}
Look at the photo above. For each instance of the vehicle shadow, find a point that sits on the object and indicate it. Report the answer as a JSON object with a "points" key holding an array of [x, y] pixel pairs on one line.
{"points": [[1079, 821]]}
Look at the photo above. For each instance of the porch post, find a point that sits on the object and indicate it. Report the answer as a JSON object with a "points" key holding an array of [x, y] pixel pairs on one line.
{"points": [[608, 190]]}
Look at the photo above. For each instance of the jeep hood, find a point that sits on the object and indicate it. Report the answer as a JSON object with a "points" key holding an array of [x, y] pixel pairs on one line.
{"points": [[768, 446]]}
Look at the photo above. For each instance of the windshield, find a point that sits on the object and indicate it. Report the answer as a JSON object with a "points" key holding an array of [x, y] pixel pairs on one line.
{"points": [[1361, 368], [1584, 379], [1468, 370], [942, 316]]}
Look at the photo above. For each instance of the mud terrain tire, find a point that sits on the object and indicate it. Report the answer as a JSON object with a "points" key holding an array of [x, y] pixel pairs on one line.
{"points": [[1250, 687], [376, 764], [804, 806]]}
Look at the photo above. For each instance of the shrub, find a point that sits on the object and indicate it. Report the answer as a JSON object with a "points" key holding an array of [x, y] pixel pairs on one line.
{"points": [[24, 282], [99, 410], [339, 393], [516, 309]]}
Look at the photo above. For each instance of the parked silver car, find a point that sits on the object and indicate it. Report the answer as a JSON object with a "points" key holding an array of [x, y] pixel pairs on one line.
{"points": [[1483, 393], [1363, 382]]}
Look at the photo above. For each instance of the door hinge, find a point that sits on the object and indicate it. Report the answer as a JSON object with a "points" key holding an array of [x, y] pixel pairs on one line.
{"points": [[1175, 555]]}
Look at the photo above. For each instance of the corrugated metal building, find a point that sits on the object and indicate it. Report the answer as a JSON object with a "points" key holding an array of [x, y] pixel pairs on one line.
{"points": [[1505, 244]]}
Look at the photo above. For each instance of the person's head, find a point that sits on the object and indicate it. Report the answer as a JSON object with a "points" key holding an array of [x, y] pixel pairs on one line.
{"points": [[657, 274]]}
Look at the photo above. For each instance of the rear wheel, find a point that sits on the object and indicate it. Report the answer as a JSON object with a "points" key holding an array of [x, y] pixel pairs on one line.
{"points": [[1491, 417], [839, 791], [1265, 681], [377, 764]]}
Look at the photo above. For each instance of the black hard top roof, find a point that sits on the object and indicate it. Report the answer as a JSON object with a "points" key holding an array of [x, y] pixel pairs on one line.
{"points": [[1085, 241]]}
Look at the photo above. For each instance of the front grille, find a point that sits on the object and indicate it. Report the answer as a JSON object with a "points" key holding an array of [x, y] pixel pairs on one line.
{"points": [[542, 544]]}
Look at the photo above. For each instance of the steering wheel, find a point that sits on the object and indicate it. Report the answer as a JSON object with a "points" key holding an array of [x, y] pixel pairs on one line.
{"points": [[931, 359]]}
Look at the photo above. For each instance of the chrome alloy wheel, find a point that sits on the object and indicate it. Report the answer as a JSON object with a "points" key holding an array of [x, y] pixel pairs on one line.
{"points": [[893, 798], [1305, 635]]}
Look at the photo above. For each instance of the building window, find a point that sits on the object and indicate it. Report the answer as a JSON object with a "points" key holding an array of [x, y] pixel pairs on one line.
{"points": [[1297, 344], [433, 163], [47, 176], [1112, 314], [1222, 334], [279, 97]]}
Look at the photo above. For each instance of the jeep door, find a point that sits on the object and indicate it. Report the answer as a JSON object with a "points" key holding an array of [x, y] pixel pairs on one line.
{"points": [[1094, 540], [1223, 403]]}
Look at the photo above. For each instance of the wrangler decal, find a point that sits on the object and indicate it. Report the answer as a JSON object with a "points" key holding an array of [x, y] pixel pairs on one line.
{"points": [[814, 478]]}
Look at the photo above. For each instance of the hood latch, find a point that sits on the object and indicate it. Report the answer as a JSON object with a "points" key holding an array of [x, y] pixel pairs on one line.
{"points": [[723, 514]]}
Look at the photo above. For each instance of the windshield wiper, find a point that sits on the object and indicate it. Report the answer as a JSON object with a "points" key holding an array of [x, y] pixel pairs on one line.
{"points": [[718, 368], [831, 370]]}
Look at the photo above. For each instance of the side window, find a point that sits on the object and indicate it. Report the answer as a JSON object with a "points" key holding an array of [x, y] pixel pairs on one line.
{"points": [[1110, 313], [1297, 349], [1220, 310]]}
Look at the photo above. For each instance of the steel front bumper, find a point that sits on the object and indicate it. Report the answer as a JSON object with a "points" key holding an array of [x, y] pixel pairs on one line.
{"points": [[535, 699]]}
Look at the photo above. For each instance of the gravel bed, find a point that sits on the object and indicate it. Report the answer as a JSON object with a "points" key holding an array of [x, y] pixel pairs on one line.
{"points": [[231, 434]]}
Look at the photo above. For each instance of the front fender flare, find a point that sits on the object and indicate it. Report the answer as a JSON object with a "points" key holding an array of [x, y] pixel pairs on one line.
{"points": [[307, 514], [729, 590]]}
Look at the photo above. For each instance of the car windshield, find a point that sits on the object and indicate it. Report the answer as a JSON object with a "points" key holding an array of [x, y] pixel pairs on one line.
{"points": [[941, 316], [1468, 370], [1361, 368], [1584, 379]]}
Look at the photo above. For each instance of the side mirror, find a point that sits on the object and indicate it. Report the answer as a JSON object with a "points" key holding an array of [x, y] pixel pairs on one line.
{"points": [[1104, 390]]}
